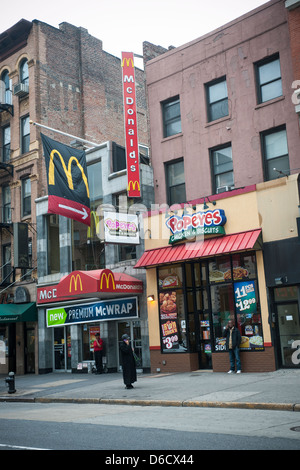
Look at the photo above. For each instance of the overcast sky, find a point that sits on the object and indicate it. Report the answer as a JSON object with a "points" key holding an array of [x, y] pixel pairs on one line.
{"points": [[123, 25]]}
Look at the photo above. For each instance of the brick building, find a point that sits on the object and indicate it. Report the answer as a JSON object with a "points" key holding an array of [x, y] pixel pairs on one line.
{"points": [[224, 130], [60, 78]]}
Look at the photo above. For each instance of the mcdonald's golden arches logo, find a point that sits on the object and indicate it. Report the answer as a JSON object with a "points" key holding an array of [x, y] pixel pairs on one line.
{"points": [[132, 185], [129, 62], [66, 170], [76, 282], [107, 281]]}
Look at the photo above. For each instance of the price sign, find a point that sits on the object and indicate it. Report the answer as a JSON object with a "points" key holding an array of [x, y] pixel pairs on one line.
{"points": [[245, 297]]}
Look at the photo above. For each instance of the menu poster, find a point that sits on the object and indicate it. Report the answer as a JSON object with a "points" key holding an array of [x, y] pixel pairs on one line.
{"points": [[168, 317], [245, 297]]}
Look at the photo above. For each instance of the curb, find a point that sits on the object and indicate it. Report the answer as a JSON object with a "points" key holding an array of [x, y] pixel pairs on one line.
{"points": [[174, 403]]}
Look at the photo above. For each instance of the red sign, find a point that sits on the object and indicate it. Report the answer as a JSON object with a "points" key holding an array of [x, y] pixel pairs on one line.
{"points": [[84, 283], [130, 119]]}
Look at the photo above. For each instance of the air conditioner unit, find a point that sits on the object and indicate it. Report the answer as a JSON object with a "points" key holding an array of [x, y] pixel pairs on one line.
{"points": [[223, 189], [21, 89]]}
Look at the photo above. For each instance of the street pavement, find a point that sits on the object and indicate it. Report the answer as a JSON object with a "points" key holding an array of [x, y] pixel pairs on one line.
{"points": [[279, 390]]}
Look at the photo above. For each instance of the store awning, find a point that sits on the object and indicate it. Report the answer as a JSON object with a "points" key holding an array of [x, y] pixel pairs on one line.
{"points": [[10, 313], [201, 249]]}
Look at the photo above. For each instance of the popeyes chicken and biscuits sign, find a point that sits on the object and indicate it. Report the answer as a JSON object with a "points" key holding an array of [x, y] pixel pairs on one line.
{"points": [[86, 283]]}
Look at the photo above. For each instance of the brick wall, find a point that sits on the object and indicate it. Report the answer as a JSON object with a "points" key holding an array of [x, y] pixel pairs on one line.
{"points": [[259, 361], [294, 29]]}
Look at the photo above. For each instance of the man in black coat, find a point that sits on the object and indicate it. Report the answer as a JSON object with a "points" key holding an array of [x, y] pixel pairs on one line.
{"points": [[128, 362], [233, 341]]}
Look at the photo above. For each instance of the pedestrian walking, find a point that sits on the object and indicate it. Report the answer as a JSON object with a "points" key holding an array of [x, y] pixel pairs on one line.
{"points": [[233, 341], [98, 353], [128, 362]]}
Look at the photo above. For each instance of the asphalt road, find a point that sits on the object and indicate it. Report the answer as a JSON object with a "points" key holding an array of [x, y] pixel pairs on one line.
{"points": [[57, 426]]}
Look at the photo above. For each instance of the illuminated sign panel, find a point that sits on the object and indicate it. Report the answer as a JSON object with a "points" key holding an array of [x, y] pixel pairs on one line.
{"points": [[130, 121]]}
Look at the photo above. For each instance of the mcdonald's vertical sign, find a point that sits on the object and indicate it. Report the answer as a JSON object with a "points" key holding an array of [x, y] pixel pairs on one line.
{"points": [[130, 120]]}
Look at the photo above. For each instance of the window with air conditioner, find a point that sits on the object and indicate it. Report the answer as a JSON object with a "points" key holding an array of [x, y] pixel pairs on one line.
{"points": [[222, 169]]}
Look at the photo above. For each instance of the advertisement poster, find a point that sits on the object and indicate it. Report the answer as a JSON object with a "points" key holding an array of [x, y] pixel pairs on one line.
{"points": [[169, 320], [93, 331]]}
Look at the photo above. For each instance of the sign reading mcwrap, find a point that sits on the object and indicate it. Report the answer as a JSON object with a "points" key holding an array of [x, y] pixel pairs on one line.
{"points": [[98, 311], [68, 189]]}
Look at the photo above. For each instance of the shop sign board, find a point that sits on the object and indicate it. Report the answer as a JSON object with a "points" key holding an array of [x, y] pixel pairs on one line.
{"points": [[131, 128], [186, 226], [121, 228], [118, 309]]}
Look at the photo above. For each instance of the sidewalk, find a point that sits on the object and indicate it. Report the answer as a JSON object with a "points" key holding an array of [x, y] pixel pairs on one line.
{"points": [[278, 390]]}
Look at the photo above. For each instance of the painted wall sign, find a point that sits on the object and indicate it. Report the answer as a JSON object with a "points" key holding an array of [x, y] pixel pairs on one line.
{"points": [[130, 121], [121, 228], [200, 223], [98, 311]]}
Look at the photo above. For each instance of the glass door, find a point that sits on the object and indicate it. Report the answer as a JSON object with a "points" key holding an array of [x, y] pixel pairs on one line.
{"points": [[62, 348], [289, 332]]}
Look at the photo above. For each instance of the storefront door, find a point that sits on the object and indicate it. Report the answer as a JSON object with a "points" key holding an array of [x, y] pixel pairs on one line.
{"points": [[289, 333], [62, 348]]}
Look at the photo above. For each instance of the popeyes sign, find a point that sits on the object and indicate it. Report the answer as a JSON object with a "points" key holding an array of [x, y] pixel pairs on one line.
{"points": [[200, 223], [130, 120], [86, 283]]}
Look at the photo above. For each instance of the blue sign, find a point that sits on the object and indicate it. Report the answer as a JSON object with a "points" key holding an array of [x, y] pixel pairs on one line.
{"points": [[98, 311], [245, 297]]}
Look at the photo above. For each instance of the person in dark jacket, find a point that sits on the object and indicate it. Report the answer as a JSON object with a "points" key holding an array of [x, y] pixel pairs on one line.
{"points": [[128, 362], [233, 341]]}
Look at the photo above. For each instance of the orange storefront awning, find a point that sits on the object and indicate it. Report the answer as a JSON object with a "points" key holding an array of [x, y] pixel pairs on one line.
{"points": [[201, 249]]}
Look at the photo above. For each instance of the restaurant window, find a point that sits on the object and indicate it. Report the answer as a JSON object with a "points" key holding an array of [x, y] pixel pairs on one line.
{"points": [[175, 182], [217, 99], [171, 117], [275, 153], [234, 295], [88, 251], [6, 137], [268, 77], [25, 134], [222, 169], [173, 330], [53, 244]]}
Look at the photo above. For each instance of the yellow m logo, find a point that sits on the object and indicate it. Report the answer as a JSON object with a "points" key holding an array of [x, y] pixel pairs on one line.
{"points": [[66, 170], [129, 62], [107, 279], [132, 185], [74, 280]]}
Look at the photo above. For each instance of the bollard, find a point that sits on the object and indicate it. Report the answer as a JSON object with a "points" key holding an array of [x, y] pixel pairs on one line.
{"points": [[10, 381]]}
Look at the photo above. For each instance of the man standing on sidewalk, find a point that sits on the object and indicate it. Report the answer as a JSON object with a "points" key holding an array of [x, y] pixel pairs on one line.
{"points": [[98, 352], [233, 341]]}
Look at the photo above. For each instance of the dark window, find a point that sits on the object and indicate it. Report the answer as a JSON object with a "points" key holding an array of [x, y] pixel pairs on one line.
{"points": [[268, 77], [25, 134], [171, 117], [175, 182], [6, 204], [24, 74], [26, 196], [222, 169], [5, 144], [217, 99], [275, 154], [118, 158], [6, 94]]}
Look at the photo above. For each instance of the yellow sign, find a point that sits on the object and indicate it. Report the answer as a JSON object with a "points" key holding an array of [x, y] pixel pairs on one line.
{"points": [[74, 280], [132, 185], [66, 170], [107, 277]]}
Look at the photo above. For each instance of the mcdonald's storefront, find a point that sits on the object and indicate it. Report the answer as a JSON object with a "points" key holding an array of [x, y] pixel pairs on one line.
{"points": [[81, 304]]}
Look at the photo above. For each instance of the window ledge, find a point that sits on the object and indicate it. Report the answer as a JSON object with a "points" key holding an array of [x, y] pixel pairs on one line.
{"points": [[116, 174], [266, 103], [217, 121], [166, 139]]}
